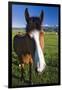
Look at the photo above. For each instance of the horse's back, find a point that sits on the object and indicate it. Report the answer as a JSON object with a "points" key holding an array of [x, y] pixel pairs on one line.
{"points": [[23, 44]]}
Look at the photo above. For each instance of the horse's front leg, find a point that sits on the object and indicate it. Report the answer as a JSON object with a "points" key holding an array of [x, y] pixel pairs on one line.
{"points": [[21, 66]]}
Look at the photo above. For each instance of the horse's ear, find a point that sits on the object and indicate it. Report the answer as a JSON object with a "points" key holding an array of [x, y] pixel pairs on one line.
{"points": [[42, 16], [26, 14]]}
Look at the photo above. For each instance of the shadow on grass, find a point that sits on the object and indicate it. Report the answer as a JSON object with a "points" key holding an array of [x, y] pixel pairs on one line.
{"points": [[17, 77], [22, 80], [16, 63]]}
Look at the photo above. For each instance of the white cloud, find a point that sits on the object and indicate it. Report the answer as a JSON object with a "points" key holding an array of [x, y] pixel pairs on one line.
{"points": [[46, 25]]}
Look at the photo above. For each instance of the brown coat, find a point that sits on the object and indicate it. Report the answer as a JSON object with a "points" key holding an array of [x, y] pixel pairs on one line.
{"points": [[42, 40]]}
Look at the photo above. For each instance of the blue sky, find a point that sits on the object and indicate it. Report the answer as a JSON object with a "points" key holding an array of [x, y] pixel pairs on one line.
{"points": [[50, 14]]}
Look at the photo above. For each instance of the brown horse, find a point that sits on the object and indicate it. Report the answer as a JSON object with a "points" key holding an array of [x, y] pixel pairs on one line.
{"points": [[26, 46]]}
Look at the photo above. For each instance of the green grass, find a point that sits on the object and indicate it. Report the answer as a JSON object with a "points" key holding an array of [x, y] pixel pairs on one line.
{"points": [[50, 75]]}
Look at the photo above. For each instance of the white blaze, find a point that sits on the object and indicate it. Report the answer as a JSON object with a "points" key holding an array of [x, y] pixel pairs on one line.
{"points": [[39, 57]]}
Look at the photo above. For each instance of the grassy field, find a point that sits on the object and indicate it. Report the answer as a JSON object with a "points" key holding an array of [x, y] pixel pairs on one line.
{"points": [[50, 75]]}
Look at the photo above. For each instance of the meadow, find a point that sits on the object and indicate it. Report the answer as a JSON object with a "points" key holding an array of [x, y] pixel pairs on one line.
{"points": [[50, 75]]}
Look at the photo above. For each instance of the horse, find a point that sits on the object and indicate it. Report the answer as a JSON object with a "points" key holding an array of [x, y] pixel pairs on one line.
{"points": [[29, 47], [34, 29]]}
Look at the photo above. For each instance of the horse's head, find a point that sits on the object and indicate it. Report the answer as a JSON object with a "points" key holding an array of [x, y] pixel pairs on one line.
{"points": [[33, 22]]}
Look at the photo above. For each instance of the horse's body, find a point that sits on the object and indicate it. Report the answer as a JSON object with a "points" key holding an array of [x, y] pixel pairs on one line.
{"points": [[24, 45]]}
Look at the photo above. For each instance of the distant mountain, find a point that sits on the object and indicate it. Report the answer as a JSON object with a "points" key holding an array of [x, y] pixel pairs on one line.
{"points": [[50, 28], [45, 28], [22, 28]]}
